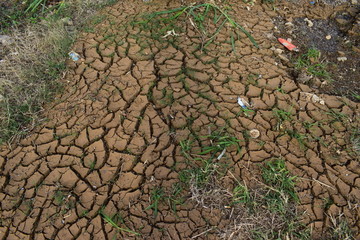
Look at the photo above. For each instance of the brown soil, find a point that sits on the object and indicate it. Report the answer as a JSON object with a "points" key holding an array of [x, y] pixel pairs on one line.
{"points": [[114, 135]]}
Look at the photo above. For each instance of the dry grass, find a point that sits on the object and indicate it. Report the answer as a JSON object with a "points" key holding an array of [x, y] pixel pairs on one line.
{"points": [[34, 62]]}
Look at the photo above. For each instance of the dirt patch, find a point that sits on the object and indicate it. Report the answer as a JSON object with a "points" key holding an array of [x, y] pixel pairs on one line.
{"points": [[334, 31], [111, 146]]}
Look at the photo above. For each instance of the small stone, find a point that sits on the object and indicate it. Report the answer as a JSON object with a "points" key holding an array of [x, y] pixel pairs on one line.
{"points": [[354, 2], [328, 37], [282, 57], [278, 51], [254, 133], [308, 22], [342, 59]]}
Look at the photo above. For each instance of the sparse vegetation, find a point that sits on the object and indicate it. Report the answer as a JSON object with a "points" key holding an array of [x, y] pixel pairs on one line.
{"points": [[111, 221], [281, 116], [199, 16], [205, 163], [274, 198], [311, 61], [35, 59], [156, 195], [341, 228]]}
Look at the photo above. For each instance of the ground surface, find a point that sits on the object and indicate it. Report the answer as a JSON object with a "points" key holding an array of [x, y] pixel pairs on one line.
{"points": [[114, 134]]}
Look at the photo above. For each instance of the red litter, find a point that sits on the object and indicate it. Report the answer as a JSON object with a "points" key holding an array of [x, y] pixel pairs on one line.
{"points": [[288, 45]]}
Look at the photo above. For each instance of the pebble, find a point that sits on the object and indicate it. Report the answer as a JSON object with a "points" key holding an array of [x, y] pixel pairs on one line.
{"points": [[278, 51], [309, 23], [328, 37], [354, 2], [342, 59]]}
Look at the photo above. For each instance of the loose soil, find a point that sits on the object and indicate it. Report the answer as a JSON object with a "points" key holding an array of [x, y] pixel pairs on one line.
{"points": [[114, 134]]}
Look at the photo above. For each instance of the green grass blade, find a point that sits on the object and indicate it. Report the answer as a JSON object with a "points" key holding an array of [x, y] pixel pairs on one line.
{"points": [[33, 6], [112, 223]]}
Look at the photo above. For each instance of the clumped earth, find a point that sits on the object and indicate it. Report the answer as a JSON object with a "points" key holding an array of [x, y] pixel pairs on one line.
{"points": [[111, 145]]}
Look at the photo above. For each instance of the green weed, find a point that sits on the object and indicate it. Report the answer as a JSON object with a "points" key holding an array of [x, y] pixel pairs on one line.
{"points": [[337, 115], [298, 136], [111, 221], [246, 111], [282, 185], [204, 164], [59, 197], [241, 194], [281, 116], [308, 125], [311, 62], [175, 197], [355, 96], [274, 198], [155, 196]]}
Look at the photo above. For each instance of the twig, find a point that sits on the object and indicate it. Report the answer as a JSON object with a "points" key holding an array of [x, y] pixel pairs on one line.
{"points": [[202, 233]]}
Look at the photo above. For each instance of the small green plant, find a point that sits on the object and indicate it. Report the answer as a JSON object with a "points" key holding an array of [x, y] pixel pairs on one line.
{"points": [[111, 221], [175, 197], [311, 62], [308, 125], [281, 117], [282, 185], [298, 136], [155, 196], [241, 194], [280, 90], [356, 96], [168, 97], [59, 197], [337, 115], [205, 163], [247, 112]]}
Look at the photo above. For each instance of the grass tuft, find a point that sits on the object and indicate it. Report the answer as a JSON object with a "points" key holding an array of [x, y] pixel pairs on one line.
{"points": [[311, 61], [156, 195], [34, 62], [111, 221]]}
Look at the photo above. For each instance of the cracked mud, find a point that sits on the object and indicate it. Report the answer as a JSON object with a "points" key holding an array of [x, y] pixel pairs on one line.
{"points": [[114, 133]]}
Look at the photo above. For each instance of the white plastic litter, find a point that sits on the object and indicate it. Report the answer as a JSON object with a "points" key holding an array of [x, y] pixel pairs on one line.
{"points": [[243, 103], [74, 56]]}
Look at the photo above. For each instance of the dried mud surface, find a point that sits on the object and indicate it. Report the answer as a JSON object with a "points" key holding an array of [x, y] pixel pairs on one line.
{"points": [[114, 134]]}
